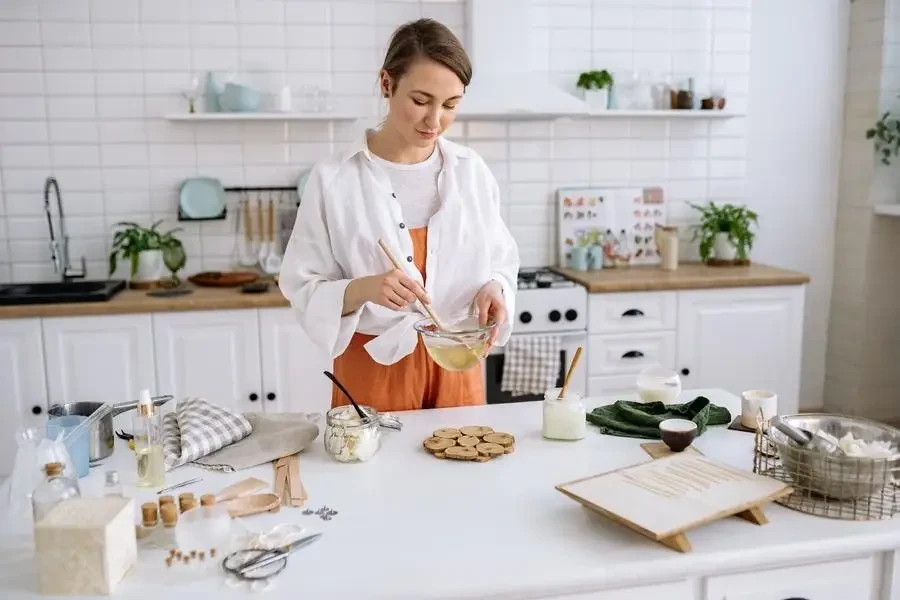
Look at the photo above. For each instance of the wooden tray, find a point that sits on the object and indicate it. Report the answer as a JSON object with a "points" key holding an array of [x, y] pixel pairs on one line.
{"points": [[663, 498], [223, 278], [477, 443]]}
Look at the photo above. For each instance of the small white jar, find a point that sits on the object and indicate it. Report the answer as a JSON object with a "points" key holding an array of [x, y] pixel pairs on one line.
{"points": [[564, 418]]}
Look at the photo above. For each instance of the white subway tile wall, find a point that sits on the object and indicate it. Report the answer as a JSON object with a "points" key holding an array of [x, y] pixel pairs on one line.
{"points": [[85, 85]]}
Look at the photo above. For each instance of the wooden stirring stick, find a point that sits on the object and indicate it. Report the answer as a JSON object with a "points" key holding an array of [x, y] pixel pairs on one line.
{"points": [[399, 267], [575, 359]]}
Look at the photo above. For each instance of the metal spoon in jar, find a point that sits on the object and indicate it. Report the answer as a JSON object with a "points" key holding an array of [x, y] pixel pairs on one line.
{"points": [[341, 387]]}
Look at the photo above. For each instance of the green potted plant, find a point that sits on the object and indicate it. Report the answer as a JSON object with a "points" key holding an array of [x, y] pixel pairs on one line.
{"points": [[144, 248], [596, 86], [725, 231], [886, 133]]}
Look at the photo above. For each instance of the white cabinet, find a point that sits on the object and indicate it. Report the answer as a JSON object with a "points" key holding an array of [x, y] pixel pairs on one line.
{"points": [[292, 365], [23, 391], [213, 354], [742, 338], [734, 339], [99, 359], [839, 580]]}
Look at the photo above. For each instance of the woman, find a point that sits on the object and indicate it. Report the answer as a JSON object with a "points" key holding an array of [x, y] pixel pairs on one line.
{"points": [[436, 206]]}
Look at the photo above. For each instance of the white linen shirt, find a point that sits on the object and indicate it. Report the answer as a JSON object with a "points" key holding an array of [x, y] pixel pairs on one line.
{"points": [[347, 205]]}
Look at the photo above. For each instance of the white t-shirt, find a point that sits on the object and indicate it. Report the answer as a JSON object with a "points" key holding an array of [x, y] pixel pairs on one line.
{"points": [[416, 187]]}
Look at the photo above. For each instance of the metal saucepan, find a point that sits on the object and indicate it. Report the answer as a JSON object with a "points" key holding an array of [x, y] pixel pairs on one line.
{"points": [[101, 432]]}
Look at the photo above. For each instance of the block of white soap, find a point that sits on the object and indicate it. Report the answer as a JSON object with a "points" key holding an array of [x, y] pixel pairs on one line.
{"points": [[85, 546]]}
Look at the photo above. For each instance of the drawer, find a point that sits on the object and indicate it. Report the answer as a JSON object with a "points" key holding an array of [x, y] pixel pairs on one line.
{"points": [[837, 580], [618, 387], [641, 311], [629, 353], [682, 590]]}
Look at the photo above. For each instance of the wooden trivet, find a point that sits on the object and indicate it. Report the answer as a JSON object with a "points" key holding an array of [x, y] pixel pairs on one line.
{"points": [[660, 450], [737, 426], [473, 442]]}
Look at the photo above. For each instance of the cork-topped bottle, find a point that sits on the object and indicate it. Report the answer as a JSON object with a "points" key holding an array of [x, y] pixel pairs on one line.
{"points": [[53, 490]]}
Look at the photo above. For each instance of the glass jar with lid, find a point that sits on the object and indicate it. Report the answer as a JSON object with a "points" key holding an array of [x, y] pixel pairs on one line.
{"points": [[564, 418], [658, 384], [350, 438]]}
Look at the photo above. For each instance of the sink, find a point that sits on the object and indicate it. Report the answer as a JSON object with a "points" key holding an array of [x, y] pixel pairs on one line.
{"points": [[51, 292]]}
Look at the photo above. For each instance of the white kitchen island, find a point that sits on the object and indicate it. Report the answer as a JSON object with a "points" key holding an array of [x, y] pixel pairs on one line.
{"points": [[412, 527]]}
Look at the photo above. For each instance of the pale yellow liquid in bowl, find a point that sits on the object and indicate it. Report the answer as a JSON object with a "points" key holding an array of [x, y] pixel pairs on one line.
{"points": [[457, 357]]}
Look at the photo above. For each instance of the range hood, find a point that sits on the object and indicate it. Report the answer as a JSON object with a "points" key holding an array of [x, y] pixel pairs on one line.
{"points": [[498, 43]]}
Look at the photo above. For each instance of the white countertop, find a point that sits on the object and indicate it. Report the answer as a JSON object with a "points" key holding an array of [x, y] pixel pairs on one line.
{"points": [[414, 527]]}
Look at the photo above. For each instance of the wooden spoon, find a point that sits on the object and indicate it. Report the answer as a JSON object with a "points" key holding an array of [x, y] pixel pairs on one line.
{"points": [[427, 307], [244, 487], [575, 359]]}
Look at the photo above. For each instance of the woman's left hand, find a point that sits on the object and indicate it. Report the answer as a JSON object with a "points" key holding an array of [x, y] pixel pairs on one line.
{"points": [[491, 308]]}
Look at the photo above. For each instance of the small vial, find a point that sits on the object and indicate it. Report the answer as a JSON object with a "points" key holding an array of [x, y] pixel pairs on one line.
{"points": [[113, 487], [149, 514]]}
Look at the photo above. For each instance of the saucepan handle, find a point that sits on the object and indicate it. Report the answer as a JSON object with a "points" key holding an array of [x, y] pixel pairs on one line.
{"points": [[122, 407]]}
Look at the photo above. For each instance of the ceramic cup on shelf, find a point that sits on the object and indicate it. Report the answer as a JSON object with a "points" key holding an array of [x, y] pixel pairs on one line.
{"points": [[755, 401], [579, 258]]}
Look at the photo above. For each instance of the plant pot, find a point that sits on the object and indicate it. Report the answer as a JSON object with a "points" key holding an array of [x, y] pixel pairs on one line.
{"points": [[724, 248], [151, 266], [597, 99]]}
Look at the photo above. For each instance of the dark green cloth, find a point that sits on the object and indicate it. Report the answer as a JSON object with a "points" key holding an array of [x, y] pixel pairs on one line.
{"points": [[641, 420]]}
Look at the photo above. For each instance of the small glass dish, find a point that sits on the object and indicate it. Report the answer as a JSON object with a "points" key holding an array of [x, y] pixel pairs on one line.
{"points": [[348, 438], [459, 349], [658, 384]]}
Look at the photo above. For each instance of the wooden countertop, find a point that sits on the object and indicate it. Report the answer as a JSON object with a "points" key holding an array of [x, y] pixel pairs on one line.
{"points": [[137, 301], [688, 276]]}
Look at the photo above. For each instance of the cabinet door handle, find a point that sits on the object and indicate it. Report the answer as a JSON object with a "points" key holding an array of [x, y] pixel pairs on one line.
{"points": [[633, 312], [36, 410], [254, 397], [685, 371], [270, 396], [633, 354]]}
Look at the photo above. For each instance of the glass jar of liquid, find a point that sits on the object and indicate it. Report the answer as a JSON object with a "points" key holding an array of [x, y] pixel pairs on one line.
{"points": [[564, 418], [658, 384]]}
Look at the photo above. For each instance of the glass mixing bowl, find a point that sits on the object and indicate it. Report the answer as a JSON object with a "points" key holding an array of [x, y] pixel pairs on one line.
{"points": [[460, 350]]}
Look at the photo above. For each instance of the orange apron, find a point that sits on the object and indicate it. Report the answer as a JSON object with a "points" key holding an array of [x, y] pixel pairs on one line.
{"points": [[413, 382]]}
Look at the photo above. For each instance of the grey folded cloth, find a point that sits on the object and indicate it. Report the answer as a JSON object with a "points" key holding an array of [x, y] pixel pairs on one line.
{"points": [[274, 436], [197, 428]]}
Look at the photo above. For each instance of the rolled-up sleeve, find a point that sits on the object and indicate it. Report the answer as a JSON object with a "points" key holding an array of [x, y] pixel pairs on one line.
{"points": [[311, 278], [504, 261]]}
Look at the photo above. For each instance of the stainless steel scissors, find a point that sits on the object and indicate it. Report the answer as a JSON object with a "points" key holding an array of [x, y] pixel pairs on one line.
{"points": [[254, 564]]}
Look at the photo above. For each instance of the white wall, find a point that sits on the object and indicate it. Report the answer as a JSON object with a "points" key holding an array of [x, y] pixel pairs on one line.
{"points": [[797, 74]]}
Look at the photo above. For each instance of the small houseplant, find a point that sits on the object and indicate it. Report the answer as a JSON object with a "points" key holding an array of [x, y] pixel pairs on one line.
{"points": [[143, 247], [596, 86], [886, 133], [725, 231]]}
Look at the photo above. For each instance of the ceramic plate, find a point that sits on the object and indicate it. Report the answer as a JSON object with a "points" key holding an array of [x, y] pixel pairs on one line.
{"points": [[202, 198]]}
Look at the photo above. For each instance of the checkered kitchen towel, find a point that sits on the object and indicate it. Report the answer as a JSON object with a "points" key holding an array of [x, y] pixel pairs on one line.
{"points": [[198, 427], [530, 364]]}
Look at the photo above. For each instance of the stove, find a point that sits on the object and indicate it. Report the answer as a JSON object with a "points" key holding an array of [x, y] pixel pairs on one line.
{"points": [[542, 277], [547, 302]]}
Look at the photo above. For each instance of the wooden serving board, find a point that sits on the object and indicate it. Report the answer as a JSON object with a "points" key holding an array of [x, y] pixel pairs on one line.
{"points": [[663, 498], [477, 443]]}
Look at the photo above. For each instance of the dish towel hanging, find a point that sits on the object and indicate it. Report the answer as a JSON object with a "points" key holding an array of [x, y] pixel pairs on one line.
{"points": [[197, 428], [530, 364]]}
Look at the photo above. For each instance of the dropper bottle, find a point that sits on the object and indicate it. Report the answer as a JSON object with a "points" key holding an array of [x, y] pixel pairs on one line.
{"points": [[148, 444]]}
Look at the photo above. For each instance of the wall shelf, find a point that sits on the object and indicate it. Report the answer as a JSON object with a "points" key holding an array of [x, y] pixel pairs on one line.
{"points": [[887, 210], [474, 116]]}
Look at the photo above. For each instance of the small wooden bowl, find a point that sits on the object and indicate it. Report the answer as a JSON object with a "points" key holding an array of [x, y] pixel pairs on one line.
{"points": [[252, 505], [223, 278]]}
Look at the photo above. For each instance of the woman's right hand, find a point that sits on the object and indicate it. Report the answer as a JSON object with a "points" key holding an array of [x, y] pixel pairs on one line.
{"points": [[393, 289]]}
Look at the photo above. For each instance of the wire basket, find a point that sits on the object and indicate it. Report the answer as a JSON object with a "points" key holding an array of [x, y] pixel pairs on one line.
{"points": [[839, 487]]}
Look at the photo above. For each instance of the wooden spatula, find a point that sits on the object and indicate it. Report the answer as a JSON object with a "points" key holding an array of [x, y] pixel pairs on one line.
{"points": [[248, 486]]}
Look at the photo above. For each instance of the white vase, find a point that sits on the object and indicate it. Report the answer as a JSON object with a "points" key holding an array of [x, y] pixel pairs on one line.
{"points": [[151, 266], [725, 250], [597, 99]]}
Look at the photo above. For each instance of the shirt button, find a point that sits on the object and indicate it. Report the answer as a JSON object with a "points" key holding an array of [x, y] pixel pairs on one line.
{"points": [[393, 195], [409, 259], [402, 225]]}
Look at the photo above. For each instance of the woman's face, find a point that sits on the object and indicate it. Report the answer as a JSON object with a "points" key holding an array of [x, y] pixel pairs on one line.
{"points": [[423, 103]]}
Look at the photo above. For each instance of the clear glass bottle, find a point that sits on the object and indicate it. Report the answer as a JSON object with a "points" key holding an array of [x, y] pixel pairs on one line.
{"points": [[56, 488], [349, 438], [148, 443], [112, 486]]}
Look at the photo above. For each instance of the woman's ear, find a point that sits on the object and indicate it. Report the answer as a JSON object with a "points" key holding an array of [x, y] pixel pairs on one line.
{"points": [[385, 84]]}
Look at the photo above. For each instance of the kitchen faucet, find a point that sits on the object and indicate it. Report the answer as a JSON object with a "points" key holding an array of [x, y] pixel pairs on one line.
{"points": [[59, 248]]}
